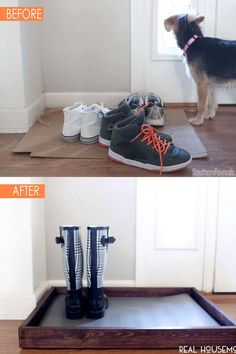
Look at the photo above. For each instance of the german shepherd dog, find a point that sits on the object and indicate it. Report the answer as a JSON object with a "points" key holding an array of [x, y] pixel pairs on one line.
{"points": [[210, 61]]}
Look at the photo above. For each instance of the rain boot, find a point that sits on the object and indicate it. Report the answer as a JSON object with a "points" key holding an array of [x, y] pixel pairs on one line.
{"points": [[72, 254], [97, 246]]}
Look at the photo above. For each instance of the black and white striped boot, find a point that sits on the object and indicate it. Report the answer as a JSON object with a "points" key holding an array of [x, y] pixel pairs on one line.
{"points": [[97, 245], [72, 254]]}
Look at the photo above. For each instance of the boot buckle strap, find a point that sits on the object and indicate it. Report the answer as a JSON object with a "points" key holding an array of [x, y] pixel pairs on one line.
{"points": [[105, 241], [59, 240]]}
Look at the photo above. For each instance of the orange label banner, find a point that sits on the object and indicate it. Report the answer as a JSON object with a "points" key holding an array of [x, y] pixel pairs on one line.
{"points": [[28, 14], [24, 191]]}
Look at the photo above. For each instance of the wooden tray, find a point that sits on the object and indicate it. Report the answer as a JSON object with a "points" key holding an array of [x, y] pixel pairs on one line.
{"points": [[136, 318]]}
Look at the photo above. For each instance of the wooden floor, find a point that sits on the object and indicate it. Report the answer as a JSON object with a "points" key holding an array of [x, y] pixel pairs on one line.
{"points": [[219, 137], [9, 339]]}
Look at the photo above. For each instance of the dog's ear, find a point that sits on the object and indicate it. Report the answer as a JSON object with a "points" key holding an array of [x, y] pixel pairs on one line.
{"points": [[196, 18], [171, 22]]}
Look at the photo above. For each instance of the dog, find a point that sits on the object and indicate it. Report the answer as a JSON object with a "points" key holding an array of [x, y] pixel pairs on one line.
{"points": [[210, 61]]}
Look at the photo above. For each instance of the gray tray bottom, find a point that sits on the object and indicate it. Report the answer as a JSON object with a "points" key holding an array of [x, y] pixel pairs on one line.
{"points": [[178, 311]]}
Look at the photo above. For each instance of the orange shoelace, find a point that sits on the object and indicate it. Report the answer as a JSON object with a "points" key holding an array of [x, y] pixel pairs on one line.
{"points": [[152, 137]]}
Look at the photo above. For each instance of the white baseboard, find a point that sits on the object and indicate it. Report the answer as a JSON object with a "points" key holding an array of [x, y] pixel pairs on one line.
{"points": [[20, 120], [63, 99], [119, 283], [16, 307], [13, 120], [41, 290], [19, 306], [107, 283], [36, 109]]}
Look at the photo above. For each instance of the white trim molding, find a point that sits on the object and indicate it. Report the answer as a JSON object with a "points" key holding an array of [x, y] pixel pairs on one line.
{"points": [[19, 120], [17, 306], [209, 9], [138, 33], [63, 99], [107, 283], [41, 290], [14, 120], [211, 234]]}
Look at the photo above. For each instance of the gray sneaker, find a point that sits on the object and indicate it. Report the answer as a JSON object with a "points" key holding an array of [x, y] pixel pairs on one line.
{"points": [[122, 115], [139, 145], [110, 119], [135, 101], [155, 112]]}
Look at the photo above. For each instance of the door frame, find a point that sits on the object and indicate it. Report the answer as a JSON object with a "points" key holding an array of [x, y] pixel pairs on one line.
{"points": [[138, 25], [210, 232]]}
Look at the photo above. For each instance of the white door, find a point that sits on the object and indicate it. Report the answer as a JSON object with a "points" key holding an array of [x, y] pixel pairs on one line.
{"points": [[157, 64], [225, 278], [176, 230]]}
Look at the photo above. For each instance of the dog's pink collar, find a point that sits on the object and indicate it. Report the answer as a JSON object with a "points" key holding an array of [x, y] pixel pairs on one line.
{"points": [[189, 43]]}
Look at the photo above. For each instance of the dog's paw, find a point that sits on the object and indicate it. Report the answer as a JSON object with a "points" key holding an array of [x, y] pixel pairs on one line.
{"points": [[210, 114], [196, 121]]}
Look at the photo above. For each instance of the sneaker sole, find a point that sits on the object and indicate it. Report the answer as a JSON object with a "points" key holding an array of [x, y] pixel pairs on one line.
{"points": [[103, 142], [166, 169], [70, 139], [156, 122], [88, 141]]}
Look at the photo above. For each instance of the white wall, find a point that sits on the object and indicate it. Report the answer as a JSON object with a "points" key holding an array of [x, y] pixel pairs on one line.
{"points": [[11, 74], [21, 88], [23, 253], [83, 201], [82, 47], [38, 242], [15, 244], [31, 56], [86, 46]]}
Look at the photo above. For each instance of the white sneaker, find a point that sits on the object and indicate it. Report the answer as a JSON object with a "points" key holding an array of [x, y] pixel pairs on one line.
{"points": [[72, 122], [91, 123]]}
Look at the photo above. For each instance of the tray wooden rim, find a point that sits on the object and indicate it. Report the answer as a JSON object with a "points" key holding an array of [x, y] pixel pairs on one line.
{"points": [[32, 336]]}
